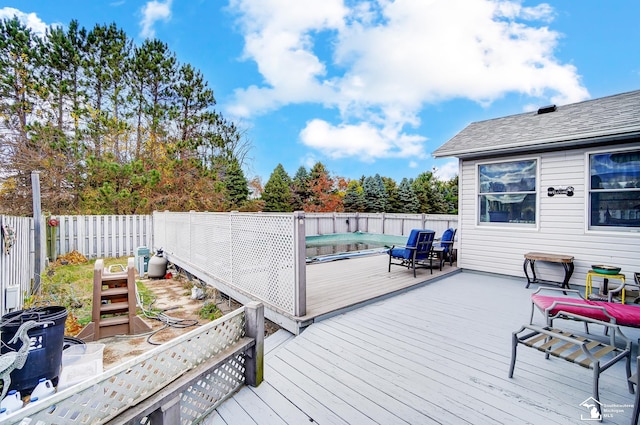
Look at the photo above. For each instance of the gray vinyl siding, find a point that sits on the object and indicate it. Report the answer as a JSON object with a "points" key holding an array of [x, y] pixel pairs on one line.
{"points": [[561, 225]]}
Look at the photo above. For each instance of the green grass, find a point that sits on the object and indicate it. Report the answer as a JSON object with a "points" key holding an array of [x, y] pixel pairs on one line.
{"points": [[210, 311]]}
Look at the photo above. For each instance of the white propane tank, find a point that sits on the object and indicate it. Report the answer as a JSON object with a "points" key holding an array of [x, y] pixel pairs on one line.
{"points": [[157, 265]]}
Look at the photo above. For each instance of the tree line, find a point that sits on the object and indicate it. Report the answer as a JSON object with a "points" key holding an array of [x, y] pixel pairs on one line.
{"points": [[112, 127], [118, 128], [317, 191]]}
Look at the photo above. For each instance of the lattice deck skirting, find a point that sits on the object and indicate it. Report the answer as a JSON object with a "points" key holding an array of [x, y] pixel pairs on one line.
{"points": [[196, 372]]}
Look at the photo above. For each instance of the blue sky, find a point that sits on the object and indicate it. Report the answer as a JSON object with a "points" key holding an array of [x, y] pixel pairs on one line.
{"points": [[371, 87]]}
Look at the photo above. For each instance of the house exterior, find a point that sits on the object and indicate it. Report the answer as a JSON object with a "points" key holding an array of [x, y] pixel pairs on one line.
{"points": [[562, 180]]}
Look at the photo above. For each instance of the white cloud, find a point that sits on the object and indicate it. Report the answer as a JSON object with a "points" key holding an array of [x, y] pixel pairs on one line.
{"points": [[447, 171], [152, 12], [279, 38], [364, 141], [380, 62], [30, 20]]}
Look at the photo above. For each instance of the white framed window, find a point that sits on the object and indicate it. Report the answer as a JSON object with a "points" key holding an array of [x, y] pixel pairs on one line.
{"points": [[507, 192], [614, 190]]}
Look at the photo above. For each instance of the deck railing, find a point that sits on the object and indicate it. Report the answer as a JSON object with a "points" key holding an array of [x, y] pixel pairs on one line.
{"points": [[261, 256], [179, 382], [257, 255]]}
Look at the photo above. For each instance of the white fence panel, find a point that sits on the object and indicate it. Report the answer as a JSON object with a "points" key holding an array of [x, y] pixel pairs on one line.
{"points": [[380, 223], [16, 261], [102, 236], [93, 236]]}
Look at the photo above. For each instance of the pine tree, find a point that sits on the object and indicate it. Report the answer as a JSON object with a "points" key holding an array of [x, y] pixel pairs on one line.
{"points": [[354, 198], [426, 189], [277, 195], [300, 189], [236, 186], [408, 200], [375, 194], [61, 55], [192, 110], [106, 56], [20, 103], [393, 198], [18, 84], [153, 73]]}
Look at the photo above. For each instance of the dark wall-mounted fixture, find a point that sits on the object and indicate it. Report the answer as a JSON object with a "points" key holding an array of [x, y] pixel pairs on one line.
{"points": [[560, 191]]}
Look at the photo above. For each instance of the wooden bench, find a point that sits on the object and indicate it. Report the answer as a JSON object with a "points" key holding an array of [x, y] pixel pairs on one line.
{"points": [[575, 348], [530, 259]]}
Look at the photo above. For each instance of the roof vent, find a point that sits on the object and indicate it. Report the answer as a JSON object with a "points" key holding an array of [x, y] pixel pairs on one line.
{"points": [[546, 109]]}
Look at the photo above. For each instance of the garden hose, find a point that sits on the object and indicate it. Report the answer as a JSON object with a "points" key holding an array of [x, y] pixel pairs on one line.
{"points": [[162, 317]]}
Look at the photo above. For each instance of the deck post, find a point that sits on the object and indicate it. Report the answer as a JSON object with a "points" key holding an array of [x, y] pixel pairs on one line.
{"points": [[37, 232], [254, 328], [168, 413], [300, 294]]}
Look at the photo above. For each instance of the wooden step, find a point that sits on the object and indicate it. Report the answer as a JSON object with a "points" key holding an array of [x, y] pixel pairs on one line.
{"points": [[105, 287], [111, 300], [117, 307], [115, 278], [108, 331], [114, 321], [113, 292]]}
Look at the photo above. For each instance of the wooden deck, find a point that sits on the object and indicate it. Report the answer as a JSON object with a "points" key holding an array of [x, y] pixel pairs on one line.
{"points": [[439, 353], [335, 286]]}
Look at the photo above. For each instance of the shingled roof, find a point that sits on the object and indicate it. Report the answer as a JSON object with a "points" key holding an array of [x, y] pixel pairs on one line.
{"points": [[607, 119]]}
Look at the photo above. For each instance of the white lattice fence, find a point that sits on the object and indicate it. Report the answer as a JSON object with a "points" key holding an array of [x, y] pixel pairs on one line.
{"points": [[107, 396], [256, 254], [264, 255]]}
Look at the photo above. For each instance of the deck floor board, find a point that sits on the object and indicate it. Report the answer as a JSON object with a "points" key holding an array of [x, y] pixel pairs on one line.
{"points": [[336, 285], [438, 353]]}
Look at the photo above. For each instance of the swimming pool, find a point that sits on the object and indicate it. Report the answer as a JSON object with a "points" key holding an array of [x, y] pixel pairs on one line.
{"points": [[345, 245]]}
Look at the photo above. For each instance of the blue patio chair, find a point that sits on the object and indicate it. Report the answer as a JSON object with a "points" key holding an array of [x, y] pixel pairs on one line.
{"points": [[415, 253], [446, 244]]}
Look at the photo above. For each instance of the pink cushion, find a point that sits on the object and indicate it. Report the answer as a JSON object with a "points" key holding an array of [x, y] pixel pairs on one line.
{"points": [[625, 314]]}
